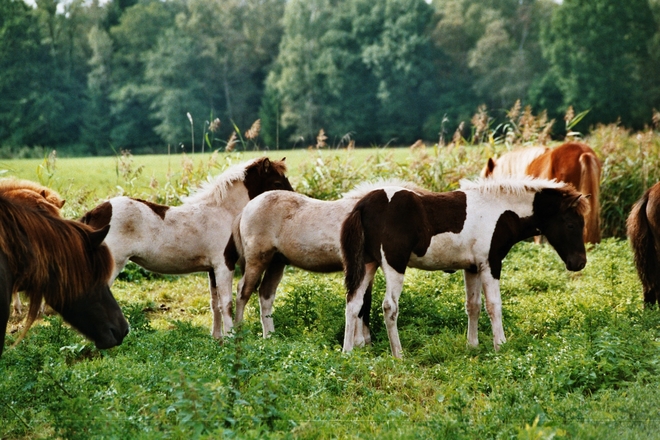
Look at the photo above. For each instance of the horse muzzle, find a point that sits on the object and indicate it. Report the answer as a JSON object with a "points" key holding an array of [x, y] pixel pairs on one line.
{"points": [[576, 263]]}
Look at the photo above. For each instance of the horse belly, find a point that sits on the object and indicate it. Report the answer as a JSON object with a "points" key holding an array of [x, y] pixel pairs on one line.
{"points": [[314, 256], [446, 252]]}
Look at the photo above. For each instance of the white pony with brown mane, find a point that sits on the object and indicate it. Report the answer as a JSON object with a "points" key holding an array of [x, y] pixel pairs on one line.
{"points": [[279, 228], [192, 237], [470, 229]]}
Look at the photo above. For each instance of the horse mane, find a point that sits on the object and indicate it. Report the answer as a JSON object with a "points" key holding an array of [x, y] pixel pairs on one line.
{"points": [[50, 258], [215, 190], [364, 188], [521, 185]]}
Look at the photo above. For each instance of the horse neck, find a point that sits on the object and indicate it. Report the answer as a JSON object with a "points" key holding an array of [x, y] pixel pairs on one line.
{"points": [[233, 200]]}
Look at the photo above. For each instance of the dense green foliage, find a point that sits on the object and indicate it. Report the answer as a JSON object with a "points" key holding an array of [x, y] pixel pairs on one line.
{"points": [[93, 78]]}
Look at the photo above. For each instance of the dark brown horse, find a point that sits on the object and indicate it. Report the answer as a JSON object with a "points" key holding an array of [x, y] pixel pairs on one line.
{"points": [[573, 162], [644, 234], [62, 262]]}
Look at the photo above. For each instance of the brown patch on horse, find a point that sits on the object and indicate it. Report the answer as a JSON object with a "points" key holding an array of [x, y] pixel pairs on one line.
{"points": [[98, 217], [42, 248], [159, 210], [643, 229], [263, 175]]}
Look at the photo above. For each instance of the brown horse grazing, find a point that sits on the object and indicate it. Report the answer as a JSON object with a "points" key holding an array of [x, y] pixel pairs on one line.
{"points": [[573, 162], [35, 195], [644, 234], [62, 262]]}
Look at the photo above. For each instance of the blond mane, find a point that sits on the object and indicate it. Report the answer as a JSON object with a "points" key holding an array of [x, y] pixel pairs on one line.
{"points": [[216, 190]]}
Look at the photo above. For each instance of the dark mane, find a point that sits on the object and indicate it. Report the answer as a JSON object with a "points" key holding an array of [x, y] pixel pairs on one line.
{"points": [[41, 248]]}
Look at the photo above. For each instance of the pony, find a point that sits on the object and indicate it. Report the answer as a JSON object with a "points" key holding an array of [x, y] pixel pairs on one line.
{"points": [[573, 162], [35, 195], [32, 194], [472, 228], [643, 229], [62, 262], [192, 237], [279, 228]]}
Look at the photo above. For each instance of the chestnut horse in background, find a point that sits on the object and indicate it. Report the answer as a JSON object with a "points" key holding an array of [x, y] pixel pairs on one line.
{"points": [[31, 194], [644, 234], [573, 162]]}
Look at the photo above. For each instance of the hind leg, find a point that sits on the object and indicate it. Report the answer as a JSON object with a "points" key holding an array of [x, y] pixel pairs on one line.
{"points": [[362, 333], [269, 284], [16, 304], [254, 269], [394, 282], [354, 305], [220, 286]]}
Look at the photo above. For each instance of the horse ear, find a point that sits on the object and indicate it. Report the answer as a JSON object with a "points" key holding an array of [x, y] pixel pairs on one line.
{"points": [[266, 164], [284, 158], [490, 165], [97, 237], [575, 200]]}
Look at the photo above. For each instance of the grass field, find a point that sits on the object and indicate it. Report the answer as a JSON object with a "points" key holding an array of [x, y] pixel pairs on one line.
{"points": [[582, 358]]}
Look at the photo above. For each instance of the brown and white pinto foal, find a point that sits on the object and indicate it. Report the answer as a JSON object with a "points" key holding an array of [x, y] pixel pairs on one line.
{"points": [[192, 237], [472, 228]]}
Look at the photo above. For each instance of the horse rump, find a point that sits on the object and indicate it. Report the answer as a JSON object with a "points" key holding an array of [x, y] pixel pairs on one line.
{"points": [[643, 240]]}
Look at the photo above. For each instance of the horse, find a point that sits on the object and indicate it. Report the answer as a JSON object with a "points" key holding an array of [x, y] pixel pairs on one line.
{"points": [[62, 262], [472, 228], [192, 237], [32, 194], [643, 229], [35, 195], [280, 228], [573, 162]]}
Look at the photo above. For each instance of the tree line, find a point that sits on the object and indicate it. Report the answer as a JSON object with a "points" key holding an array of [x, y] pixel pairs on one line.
{"points": [[148, 75]]}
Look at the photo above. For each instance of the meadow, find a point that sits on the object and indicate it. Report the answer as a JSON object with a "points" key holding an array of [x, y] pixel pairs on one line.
{"points": [[582, 358]]}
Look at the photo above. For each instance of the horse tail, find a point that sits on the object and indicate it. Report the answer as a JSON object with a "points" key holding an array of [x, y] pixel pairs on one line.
{"points": [[352, 249], [642, 242], [237, 242], [590, 184]]}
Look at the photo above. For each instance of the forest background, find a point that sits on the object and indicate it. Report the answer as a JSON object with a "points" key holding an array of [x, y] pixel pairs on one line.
{"points": [[150, 76]]}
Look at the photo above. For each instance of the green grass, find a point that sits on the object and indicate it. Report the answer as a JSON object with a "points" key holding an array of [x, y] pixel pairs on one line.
{"points": [[582, 358]]}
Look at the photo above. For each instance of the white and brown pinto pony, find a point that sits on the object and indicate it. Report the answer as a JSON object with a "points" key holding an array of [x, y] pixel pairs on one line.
{"points": [[644, 234], [573, 162], [281, 228], [472, 228], [192, 237]]}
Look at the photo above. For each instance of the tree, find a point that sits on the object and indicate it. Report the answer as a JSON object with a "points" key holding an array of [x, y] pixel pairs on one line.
{"points": [[596, 50]]}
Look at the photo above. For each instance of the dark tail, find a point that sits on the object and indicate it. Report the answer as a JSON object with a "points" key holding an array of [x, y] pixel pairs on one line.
{"points": [[352, 249], [644, 250]]}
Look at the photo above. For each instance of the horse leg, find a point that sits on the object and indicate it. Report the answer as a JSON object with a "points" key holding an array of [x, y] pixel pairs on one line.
{"points": [[472, 305], [6, 287], [119, 265], [362, 335], [493, 306], [220, 286], [267, 289], [354, 306], [17, 306], [394, 283], [247, 285]]}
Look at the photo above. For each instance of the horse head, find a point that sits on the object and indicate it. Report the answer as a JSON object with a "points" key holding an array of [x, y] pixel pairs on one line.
{"points": [[95, 312], [265, 175], [560, 218]]}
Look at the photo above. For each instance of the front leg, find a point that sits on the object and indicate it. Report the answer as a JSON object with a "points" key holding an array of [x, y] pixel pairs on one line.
{"points": [[493, 306], [220, 285], [472, 305]]}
